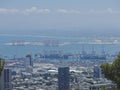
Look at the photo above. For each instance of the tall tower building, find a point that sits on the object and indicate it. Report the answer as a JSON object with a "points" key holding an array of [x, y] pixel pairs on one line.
{"points": [[5, 80], [63, 78], [29, 61]]}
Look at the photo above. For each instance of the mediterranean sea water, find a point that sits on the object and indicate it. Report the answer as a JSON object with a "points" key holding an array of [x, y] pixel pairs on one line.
{"points": [[69, 45]]}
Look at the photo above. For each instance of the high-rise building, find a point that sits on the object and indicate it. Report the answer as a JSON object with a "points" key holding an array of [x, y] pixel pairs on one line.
{"points": [[29, 61], [5, 80], [63, 78], [97, 72]]}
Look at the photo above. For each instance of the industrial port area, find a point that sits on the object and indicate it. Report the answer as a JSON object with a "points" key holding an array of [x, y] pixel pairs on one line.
{"points": [[112, 40]]}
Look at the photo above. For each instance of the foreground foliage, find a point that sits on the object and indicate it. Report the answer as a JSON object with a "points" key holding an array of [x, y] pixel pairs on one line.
{"points": [[112, 71], [2, 61]]}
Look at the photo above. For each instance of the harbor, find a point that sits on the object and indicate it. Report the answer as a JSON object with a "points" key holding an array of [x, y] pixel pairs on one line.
{"points": [[79, 48], [57, 43]]}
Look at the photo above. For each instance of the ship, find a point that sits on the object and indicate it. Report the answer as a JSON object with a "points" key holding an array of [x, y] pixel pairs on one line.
{"points": [[54, 55], [93, 57]]}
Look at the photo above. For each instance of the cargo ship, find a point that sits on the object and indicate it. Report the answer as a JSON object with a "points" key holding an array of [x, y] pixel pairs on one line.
{"points": [[93, 57]]}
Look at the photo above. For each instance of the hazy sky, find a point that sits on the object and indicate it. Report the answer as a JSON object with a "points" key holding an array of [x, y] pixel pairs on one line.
{"points": [[37, 15]]}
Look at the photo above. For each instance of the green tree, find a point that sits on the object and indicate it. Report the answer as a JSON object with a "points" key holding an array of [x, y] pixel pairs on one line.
{"points": [[2, 61], [112, 71]]}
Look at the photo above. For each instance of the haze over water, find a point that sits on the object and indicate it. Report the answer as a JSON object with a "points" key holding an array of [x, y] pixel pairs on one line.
{"points": [[69, 45]]}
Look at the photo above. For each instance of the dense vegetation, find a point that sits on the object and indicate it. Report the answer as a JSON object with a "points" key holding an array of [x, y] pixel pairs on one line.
{"points": [[112, 71], [2, 61]]}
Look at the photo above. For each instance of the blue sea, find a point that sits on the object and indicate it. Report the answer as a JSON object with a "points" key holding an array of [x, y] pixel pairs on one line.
{"points": [[22, 50]]}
